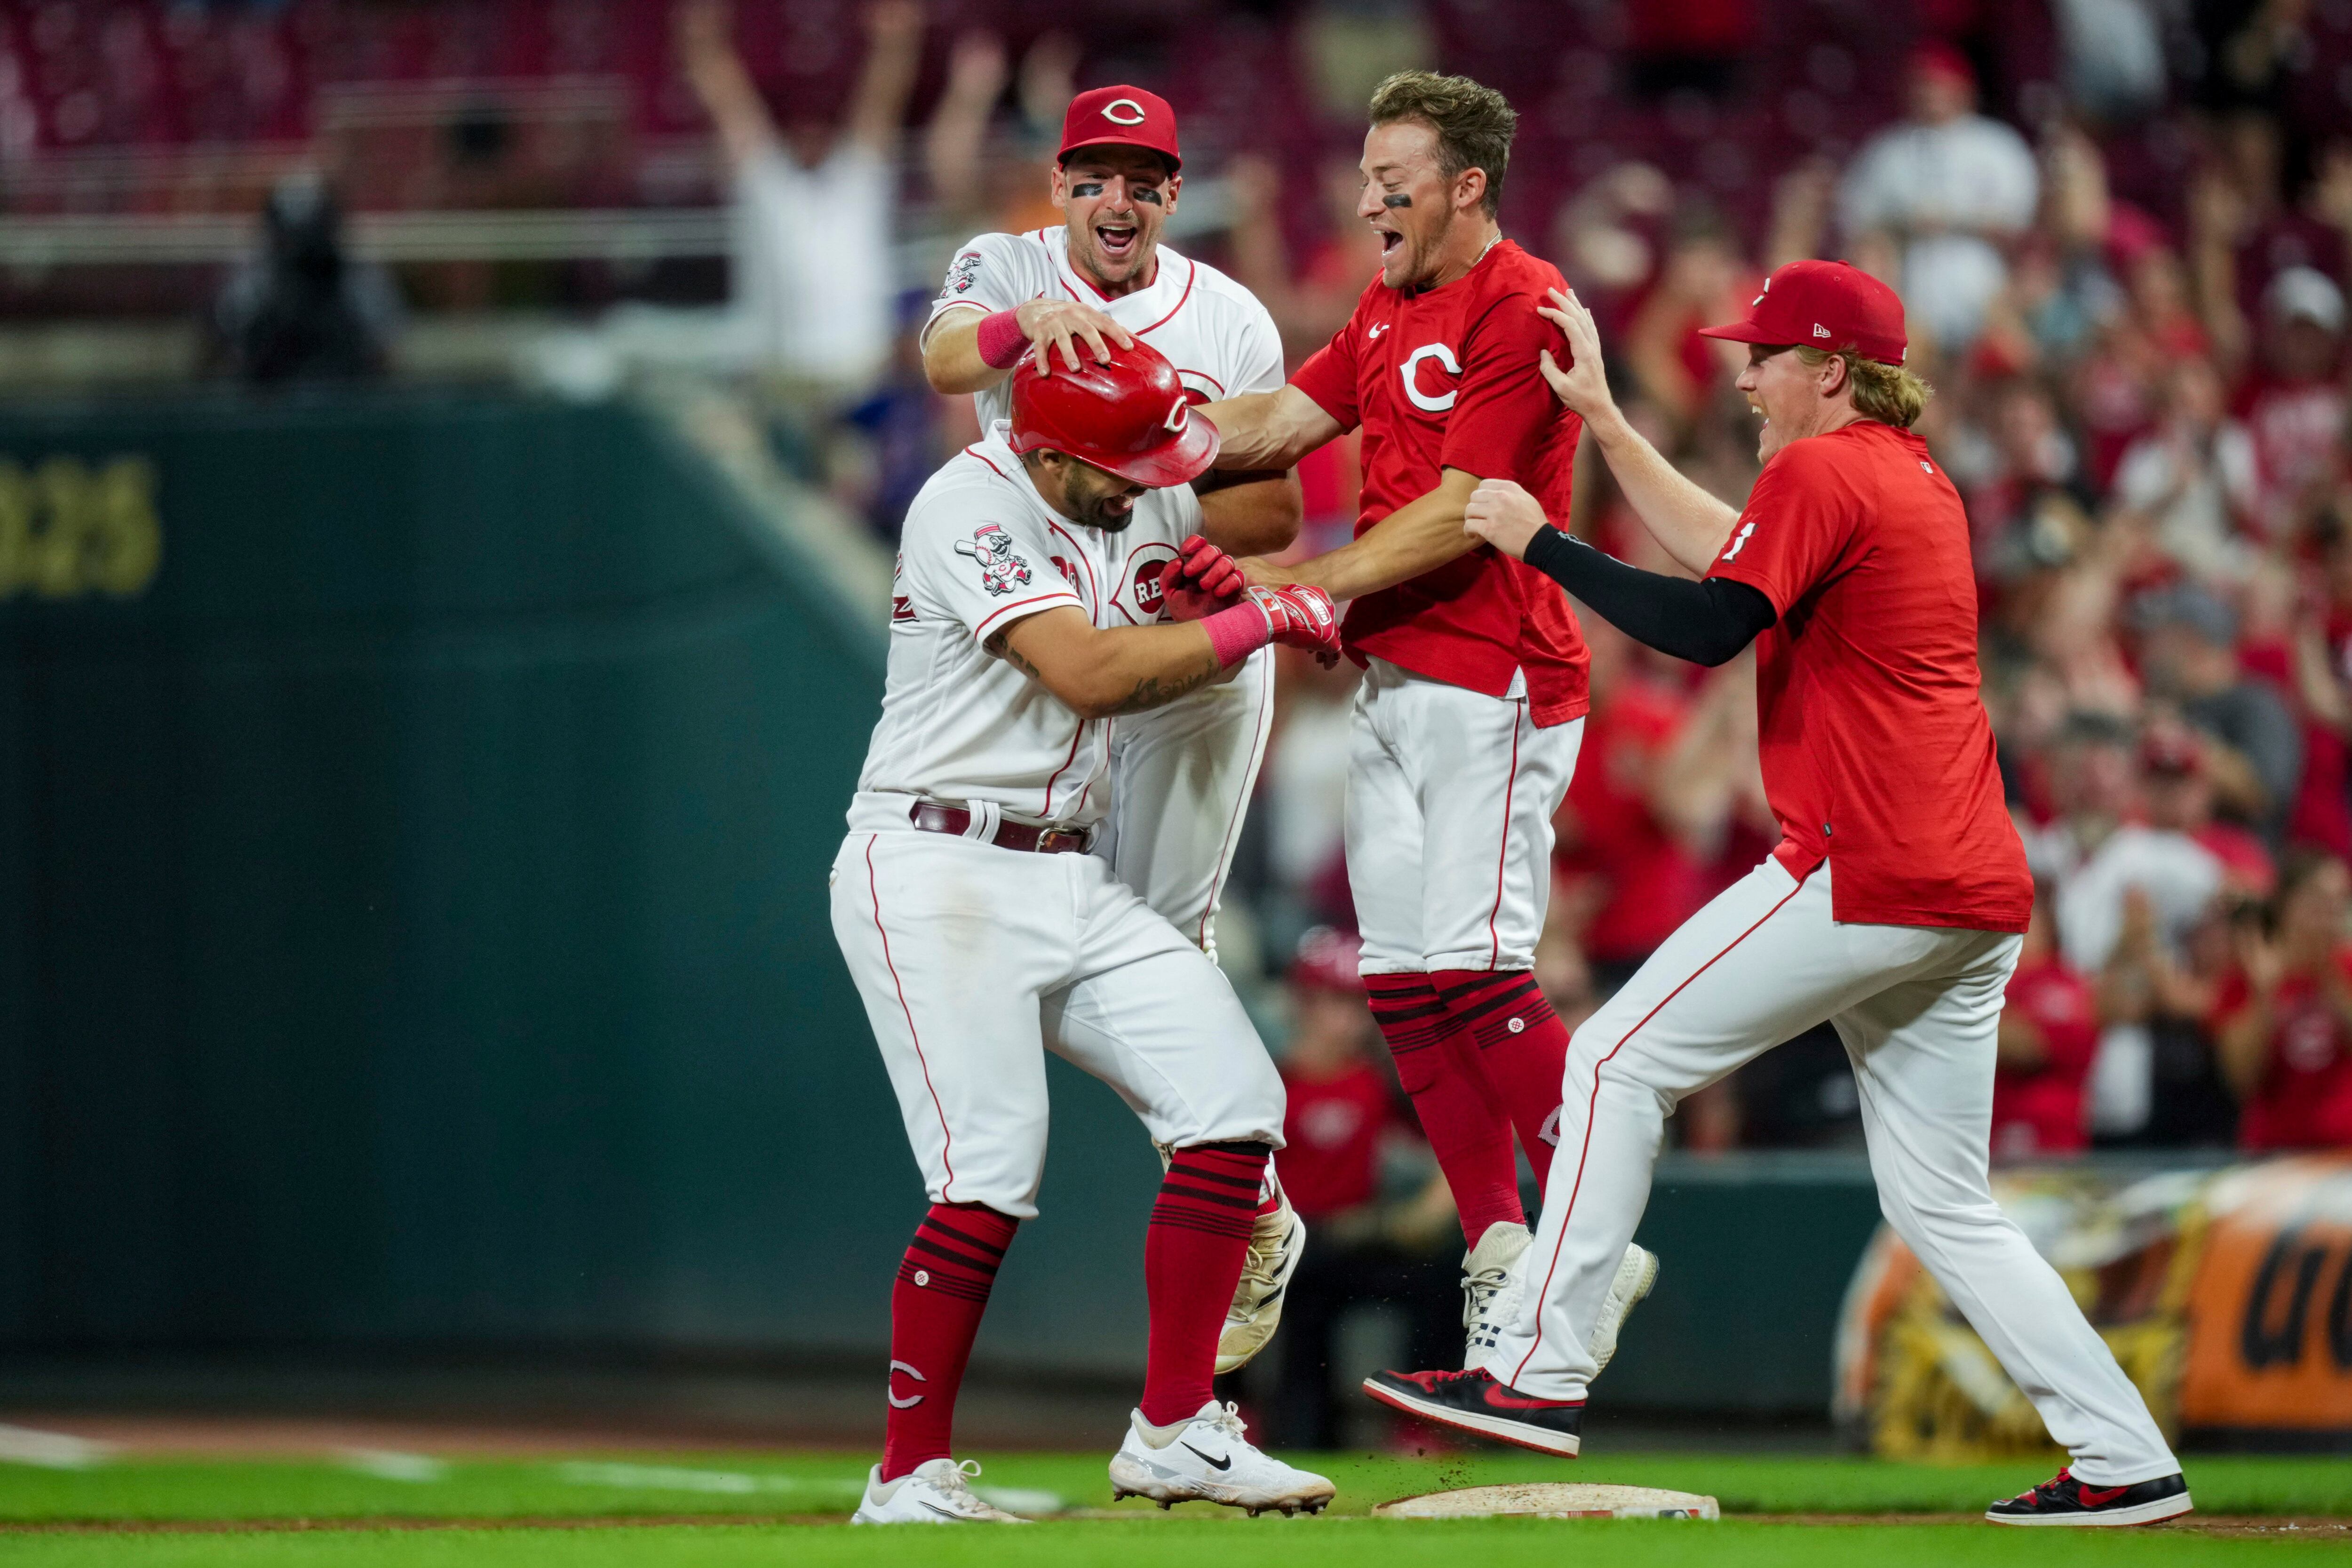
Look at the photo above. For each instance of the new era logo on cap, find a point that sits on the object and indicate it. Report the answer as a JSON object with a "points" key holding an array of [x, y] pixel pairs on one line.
{"points": [[1824, 303]]}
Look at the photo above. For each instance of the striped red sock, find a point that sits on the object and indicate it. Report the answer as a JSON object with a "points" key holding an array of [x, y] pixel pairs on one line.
{"points": [[935, 1309], [1522, 1046], [1460, 1114], [1192, 1260]]}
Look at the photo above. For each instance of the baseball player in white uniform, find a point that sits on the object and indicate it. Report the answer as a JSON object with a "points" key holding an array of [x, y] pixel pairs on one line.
{"points": [[1180, 774], [980, 934]]}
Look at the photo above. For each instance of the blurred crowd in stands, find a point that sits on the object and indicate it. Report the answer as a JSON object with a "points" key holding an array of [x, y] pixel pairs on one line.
{"points": [[2123, 229]]}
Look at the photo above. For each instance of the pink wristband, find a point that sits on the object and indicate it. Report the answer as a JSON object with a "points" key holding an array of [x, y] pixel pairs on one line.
{"points": [[1237, 633], [1002, 340]]}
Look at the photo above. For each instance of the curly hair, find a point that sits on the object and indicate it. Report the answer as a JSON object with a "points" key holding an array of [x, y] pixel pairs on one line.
{"points": [[1474, 123]]}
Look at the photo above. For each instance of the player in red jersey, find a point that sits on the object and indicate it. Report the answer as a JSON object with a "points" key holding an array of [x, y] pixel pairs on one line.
{"points": [[1471, 711], [1893, 907]]}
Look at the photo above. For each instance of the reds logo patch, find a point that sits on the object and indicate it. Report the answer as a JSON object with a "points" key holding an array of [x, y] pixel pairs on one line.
{"points": [[960, 274], [1139, 596], [1147, 597], [1002, 570]]}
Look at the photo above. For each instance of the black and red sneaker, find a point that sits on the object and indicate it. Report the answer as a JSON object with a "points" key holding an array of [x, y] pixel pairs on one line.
{"points": [[2067, 1500], [1475, 1402]]}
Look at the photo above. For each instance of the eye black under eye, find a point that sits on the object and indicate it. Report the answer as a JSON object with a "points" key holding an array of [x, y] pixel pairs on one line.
{"points": [[1086, 188], [1146, 195]]}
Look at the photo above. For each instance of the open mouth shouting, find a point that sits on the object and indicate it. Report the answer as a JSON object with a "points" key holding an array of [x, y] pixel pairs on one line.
{"points": [[1118, 239]]}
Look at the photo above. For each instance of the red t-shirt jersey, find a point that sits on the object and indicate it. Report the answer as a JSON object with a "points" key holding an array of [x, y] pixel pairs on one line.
{"points": [[2041, 1112], [1330, 1158], [2304, 1100], [1447, 378], [1877, 754]]}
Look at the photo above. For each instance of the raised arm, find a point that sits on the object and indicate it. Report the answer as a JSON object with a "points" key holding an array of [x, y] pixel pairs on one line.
{"points": [[706, 50], [894, 48], [1691, 525]]}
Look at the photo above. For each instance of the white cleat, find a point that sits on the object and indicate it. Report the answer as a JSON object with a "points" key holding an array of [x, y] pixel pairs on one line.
{"points": [[1637, 1272], [936, 1491], [1494, 1279], [1277, 1244], [1210, 1458]]}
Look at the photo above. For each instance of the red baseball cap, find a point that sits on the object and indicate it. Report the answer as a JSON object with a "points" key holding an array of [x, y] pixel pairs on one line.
{"points": [[1824, 305], [1128, 414], [1937, 57], [1121, 116]]}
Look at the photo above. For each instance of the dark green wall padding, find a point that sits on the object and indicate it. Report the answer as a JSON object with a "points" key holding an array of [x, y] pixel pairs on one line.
{"points": [[413, 931]]}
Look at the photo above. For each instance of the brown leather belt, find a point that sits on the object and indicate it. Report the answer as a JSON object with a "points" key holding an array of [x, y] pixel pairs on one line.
{"points": [[932, 817]]}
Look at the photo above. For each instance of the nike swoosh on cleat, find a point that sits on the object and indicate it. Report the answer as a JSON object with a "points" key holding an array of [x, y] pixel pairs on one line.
{"points": [[1224, 1463], [2099, 1497], [942, 1512], [1500, 1399]]}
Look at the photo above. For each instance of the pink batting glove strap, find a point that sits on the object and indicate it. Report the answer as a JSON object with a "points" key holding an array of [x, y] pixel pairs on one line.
{"points": [[1237, 633], [1002, 341]]}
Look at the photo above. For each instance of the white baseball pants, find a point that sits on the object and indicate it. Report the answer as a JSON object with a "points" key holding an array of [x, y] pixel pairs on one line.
{"points": [[1918, 1008], [1181, 781], [974, 961], [1450, 799]]}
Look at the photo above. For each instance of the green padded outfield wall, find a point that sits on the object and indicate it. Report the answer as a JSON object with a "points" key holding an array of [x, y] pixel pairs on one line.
{"points": [[413, 918], [414, 814]]}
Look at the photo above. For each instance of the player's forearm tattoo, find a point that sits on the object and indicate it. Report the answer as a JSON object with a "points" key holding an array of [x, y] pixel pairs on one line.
{"points": [[1004, 651], [1151, 692]]}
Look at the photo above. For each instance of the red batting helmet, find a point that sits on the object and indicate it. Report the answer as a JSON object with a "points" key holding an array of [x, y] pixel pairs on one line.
{"points": [[1128, 414]]}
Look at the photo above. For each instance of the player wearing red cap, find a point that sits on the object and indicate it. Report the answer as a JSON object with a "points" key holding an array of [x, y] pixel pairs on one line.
{"points": [[1470, 710], [980, 934], [1180, 775], [1892, 908]]}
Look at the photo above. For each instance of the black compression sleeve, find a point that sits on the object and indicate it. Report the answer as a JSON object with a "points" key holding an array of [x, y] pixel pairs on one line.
{"points": [[1705, 622]]}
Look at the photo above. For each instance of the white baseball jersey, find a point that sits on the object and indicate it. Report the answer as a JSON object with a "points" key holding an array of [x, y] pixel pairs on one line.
{"points": [[1182, 773], [1213, 331], [981, 550]]}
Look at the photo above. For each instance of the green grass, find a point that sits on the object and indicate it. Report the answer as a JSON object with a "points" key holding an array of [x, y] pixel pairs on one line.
{"points": [[817, 1484], [205, 1495], [1297, 1543]]}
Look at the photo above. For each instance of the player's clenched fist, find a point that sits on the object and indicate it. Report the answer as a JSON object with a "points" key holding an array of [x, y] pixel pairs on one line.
{"points": [[1299, 616], [1201, 581], [1505, 515]]}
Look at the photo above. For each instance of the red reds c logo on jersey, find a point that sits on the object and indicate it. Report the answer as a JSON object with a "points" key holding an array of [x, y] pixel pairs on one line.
{"points": [[1147, 597], [1137, 592]]}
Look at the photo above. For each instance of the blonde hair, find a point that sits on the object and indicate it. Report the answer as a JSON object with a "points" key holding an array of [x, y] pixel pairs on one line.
{"points": [[1887, 393]]}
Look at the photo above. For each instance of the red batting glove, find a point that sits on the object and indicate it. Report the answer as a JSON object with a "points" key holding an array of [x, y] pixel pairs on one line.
{"points": [[1300, 616], [1211, 568], [1200, 581]]}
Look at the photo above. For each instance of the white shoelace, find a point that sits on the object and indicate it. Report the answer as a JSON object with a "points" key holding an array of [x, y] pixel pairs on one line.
{"points": [[1228, 1420], [1478, 1293], [956, 1484]]}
